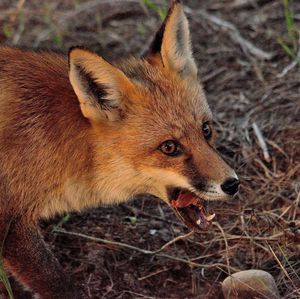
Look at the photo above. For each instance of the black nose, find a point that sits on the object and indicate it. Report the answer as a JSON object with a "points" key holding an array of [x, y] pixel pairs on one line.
{"points": [[231, 186]]}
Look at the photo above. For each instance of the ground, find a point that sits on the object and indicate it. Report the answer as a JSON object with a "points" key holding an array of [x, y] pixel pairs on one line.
{"points": [[248, 90]]}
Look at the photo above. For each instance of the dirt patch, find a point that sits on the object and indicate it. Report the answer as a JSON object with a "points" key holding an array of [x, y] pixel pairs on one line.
{"points": [[261, 226]]}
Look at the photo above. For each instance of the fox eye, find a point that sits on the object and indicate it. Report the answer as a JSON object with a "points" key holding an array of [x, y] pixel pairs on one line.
{"points": [[206, 129], [170, 148]]}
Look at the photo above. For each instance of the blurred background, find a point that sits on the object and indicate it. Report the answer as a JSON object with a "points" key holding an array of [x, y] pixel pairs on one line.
{"points": [[248, 53]]}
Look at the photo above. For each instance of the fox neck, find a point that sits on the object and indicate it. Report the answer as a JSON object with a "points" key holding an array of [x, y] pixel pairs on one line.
{"points": [[103, 183]]}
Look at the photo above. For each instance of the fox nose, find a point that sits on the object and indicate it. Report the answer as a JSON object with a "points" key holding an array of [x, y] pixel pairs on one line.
{"points": [[231, 186]]}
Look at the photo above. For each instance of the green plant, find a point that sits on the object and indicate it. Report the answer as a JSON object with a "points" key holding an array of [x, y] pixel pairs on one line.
{"points": [[161, 11], [57, 38], [5, 281], [141, 28], [48, 13], [3, 276], [8, 31], [289, 264], [290, 45], [62, 221], [131, 219]]}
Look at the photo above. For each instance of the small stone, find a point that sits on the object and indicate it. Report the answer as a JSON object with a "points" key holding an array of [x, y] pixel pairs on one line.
{"points": [[153, 232], [250, 284]]}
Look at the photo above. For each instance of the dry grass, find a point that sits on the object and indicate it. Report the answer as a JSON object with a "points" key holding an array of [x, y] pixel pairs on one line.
{"points": [[261, 228]]}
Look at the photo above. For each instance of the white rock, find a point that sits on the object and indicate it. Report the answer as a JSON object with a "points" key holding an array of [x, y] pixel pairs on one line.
{"points": [[250, 284]]}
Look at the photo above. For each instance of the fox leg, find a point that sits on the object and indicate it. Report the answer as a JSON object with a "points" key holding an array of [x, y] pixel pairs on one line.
{"points": [[3, 292], [17, 290], [3, 229], [31, 262]]}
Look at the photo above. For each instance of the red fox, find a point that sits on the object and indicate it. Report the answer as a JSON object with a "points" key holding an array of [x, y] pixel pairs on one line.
{"points": [[79, 132]]}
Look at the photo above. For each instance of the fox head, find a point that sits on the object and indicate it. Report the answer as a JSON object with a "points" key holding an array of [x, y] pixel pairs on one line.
{"points": [[151, 125]]}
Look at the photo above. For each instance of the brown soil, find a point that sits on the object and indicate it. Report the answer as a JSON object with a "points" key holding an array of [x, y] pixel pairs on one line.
{"points": [[261, 226]]}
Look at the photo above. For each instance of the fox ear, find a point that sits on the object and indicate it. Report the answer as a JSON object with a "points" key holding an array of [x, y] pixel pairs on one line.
{"points": [[171, 46], [99, 86]]}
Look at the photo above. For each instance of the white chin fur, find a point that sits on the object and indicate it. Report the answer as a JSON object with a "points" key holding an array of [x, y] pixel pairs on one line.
{"points": [[235, 176]]}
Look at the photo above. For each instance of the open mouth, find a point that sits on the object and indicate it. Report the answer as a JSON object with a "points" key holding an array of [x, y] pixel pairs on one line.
{"points": [[190, 209]]}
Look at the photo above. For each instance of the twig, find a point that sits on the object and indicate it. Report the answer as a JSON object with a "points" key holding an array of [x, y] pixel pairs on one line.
{"points": [[277, 147], [296, 206], [261, 142], [147, 252], [234, 34], [290, 295], [274, 237], [88, 286], [292, 65], [213, 74], [17, 11], [136, 295], [235, 4], [282, 267], [89, 5], [174, 240], [153, 274], [289, 66], [85, 6], [109, 288], [138, 212], [226, 245]]}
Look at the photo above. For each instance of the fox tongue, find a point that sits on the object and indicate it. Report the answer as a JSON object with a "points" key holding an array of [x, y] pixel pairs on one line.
{"points": [[194, 208], [185, 199]]}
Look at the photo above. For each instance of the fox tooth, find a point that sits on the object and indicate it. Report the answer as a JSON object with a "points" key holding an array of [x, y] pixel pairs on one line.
{"points": [[210, 217], [198, 221]]}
